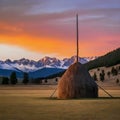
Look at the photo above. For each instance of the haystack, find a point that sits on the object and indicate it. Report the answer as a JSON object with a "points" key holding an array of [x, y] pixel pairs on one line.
{"points": [[77, 83]]}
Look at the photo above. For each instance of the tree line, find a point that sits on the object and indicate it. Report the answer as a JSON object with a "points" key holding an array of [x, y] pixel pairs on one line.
{"points": [[13, 79], [114, 72], [110, 59]]}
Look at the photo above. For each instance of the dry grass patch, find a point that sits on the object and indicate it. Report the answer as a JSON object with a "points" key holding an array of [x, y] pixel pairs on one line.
{"points": [[36, 105]]}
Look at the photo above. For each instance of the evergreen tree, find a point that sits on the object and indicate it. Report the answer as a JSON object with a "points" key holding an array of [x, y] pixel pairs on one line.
{"points": [[108, 73], [98, 69], [13, 78], [114, 71], [119, 68], [26, 78], [46, 80], [117, 81], [95, 77], [56, 79], [103, 72], [102, 76]]}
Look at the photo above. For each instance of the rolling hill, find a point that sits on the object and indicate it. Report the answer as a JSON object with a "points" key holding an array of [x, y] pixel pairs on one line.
{"points": [[110, 59]]}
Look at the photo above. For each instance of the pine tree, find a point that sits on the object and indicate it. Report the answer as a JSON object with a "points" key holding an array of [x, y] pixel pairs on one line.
{"points": [[119, 68], [114, 71], [26, 78], [102, 76], [108, 73], [95, 77], [46, 80], [117, 81], [56, 79], [13, 78], [98, 69]]}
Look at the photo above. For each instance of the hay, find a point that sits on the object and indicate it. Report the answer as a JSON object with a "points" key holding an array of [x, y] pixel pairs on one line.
{"points": [[77, 83]]}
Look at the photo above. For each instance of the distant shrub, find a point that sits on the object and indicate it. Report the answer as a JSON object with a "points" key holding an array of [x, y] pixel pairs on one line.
{"points": [[36, 81], [5, 81]]}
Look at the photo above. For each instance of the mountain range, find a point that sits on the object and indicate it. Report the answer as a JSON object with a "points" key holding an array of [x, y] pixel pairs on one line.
{"points": [[42, 68], [48, 67], [26, 65]]}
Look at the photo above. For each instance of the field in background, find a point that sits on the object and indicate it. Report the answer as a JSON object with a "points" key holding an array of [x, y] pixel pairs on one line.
{"points": [[32, 102], [109, 80]]}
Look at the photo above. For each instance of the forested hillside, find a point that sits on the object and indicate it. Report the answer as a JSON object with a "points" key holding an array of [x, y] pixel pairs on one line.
{"points": [[110, 59]]}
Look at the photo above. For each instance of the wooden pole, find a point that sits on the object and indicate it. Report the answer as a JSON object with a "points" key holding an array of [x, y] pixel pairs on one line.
{"points": [[105, 91], [77, 37], [53, 93]]}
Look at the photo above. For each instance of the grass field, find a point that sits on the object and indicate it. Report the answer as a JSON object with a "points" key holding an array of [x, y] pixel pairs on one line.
{"points": [[33, 103]]}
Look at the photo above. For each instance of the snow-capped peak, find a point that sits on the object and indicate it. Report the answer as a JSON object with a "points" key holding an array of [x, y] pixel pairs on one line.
{"points": [[27, 65]]}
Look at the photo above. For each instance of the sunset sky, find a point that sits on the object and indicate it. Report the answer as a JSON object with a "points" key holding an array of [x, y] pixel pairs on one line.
{"points": [[37, 28]]}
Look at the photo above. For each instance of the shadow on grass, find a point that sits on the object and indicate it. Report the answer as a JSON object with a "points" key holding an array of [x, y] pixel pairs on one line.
{"points": [[99, 98]]}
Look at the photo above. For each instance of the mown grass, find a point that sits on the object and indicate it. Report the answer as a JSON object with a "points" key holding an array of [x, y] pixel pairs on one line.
{"points": [[36, 105]]}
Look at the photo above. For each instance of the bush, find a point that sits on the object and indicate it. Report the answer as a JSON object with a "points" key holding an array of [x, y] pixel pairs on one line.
{"points": [[5, 81], [36, 81]]}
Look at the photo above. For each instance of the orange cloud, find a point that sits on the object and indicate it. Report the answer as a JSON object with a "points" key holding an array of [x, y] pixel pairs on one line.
{"points": [[44, 45], [48, 28], [61, 48]]}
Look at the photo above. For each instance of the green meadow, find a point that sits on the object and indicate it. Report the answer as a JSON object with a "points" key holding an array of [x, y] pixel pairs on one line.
{"points": [[34, 103]]}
